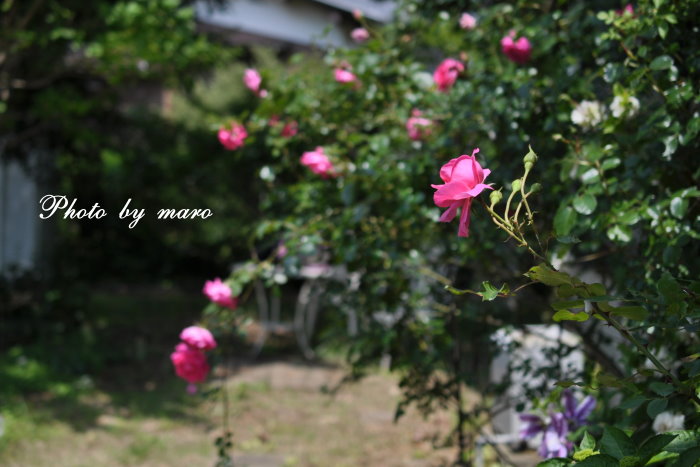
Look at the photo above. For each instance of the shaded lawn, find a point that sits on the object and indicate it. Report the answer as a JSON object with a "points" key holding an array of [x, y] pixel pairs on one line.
{"points": [[105, 395]]}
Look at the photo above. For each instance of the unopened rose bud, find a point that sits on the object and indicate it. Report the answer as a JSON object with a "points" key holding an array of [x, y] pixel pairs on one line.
{"points": [[528, 166], [530, 157], [357, 14], [516, 185], [535, 187], [495, 197]]}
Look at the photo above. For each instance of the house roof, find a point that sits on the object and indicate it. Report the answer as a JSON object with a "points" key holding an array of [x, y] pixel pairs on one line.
{"points": [[377, 10]]}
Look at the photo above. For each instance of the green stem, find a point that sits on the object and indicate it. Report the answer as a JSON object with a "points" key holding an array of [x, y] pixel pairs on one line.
{"points": [[521, 241], [644, 351]]}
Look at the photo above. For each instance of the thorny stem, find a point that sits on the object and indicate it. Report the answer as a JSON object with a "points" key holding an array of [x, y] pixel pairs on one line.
{"points": [[642, 348], [521, 241], [530, 217]]}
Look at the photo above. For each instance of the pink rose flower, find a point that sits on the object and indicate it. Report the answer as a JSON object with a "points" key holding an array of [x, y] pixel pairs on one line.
{"points": [[233, 138], [359, 35], [463, 177], [467, 21], [198, 338], [418, 127], [517, 51], [627, 9], [290, 129], [344, 76], [318, 162], [446, 73], [274, 120], [220, 293], [357, 14], [190, 364], [252, 80]]}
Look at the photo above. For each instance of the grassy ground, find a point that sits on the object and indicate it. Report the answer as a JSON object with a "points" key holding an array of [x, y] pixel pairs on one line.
{"points": [[124, 407], [279, 415]]}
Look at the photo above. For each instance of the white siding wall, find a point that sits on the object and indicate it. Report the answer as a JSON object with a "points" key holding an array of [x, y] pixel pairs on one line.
{"points": [[293, 21]]}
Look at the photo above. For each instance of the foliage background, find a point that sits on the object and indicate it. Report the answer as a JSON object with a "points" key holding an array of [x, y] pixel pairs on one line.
{"points": [[618, 200]]}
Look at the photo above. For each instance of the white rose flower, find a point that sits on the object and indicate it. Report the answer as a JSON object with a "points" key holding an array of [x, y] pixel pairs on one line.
{"points": [[668, 421], [587, 114], [624, 105]]}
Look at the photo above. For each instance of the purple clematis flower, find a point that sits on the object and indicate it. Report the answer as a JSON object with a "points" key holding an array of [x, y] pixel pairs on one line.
{"points": [[575, 413], [531, 425], [554, 442]]}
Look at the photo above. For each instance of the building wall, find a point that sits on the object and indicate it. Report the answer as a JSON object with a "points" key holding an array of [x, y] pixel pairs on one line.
{"points": [[19, 221], [298, 22]]}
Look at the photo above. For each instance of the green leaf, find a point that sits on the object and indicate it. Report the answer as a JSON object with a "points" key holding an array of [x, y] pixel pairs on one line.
{"points": [[616, 443], [588, 441], [661, 389], [566, 315], [585, 204], [567, 304], [685, 439], [555, 462], [661, 457], [564, 221], [566, 291], [656, 406], [633, 312], [654, 445], [662, 62], [630, 461], [669, 288], [610, 163], [688, 458], [678, 207], [599, 460], [550, 277], [490, 292], [633, 402], [584, 454]]}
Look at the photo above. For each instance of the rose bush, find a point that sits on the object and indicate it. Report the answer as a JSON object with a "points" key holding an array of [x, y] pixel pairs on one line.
{"points": [[611, 184]]}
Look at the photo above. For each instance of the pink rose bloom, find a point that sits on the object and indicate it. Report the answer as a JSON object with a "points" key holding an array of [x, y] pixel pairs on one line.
{"points": [[274, 120], [359, 35], [198, 338], [252, 80], [467, 21], [446, 73], [357, 14], [627, 9], [234, 138], [190, 365], [290, 129], [517, 51], [417, 126], [344, 76], [220, 293], [463, 177], [318, 162]]}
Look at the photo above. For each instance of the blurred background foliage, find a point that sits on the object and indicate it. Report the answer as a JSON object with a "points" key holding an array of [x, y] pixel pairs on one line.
{"points": [[134, 95]]}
